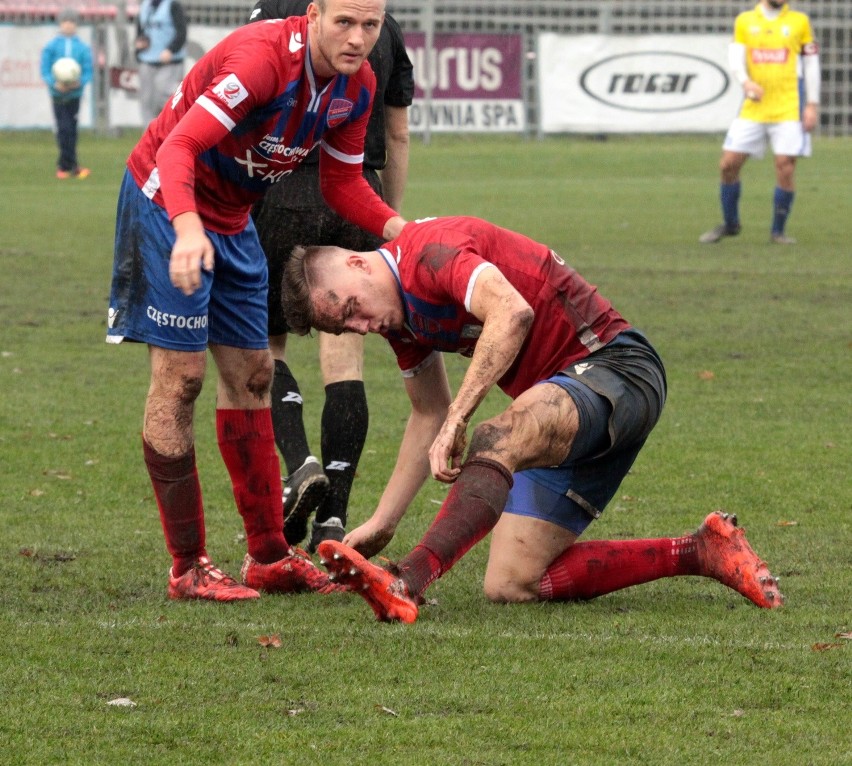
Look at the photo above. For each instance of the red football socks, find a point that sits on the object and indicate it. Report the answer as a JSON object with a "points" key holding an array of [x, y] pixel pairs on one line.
{"points": [[247, 445], [469, 513], [596, 567], [178, 495]]}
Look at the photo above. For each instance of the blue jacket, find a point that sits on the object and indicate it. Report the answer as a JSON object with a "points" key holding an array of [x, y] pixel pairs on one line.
{"points": [[163, 22], [60, 47]]}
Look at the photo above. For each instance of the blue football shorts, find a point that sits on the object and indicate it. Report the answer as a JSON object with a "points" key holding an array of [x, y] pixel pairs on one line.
{"points": [[619, 392], [229, 308]]}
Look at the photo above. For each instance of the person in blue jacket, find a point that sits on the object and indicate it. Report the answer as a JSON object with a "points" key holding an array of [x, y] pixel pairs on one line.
{"points": [[160, 49], [66, 95]]}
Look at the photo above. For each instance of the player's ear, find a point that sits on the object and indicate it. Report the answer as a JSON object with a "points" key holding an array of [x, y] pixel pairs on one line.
{"points": [[358, 261]]}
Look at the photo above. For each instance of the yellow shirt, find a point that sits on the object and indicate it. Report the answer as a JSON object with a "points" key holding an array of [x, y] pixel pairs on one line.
{"points": [[773, 48]]}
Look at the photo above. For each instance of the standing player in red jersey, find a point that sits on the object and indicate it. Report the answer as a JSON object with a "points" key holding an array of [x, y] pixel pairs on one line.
{"points": [[189, 273], [294, 213], [587, 389]]}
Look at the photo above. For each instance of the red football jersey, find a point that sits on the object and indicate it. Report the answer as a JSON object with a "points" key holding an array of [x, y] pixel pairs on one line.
{"points": [[437, 262], [244, 116]]}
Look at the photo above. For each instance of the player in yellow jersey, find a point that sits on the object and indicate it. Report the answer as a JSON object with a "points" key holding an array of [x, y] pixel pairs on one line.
{"points": [[775, 59]]}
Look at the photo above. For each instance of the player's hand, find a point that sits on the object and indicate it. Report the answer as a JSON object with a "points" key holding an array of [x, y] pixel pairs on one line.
{"points": [[192, 252], [810, 117], [393, 227], [752, 90], [369, 539], [447, 451]]}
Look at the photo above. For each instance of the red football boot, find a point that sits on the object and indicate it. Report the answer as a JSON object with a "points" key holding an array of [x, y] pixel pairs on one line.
{"points": [[725, 555], [206, 581], [386, 594]]}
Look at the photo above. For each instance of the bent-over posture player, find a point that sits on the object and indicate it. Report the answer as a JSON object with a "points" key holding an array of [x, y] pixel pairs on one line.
{"points": [[587, 389]]}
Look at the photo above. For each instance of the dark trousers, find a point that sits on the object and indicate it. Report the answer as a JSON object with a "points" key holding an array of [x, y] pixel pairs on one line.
{"points": [[65, 112]]}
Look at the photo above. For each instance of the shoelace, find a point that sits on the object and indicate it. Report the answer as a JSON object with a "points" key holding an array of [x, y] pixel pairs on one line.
{"points": [[301, 554], [207, 570]]}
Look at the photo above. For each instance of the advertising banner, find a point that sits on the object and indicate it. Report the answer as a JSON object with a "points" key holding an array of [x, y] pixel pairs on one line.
{"points": [[474, 83], [647, 84], [25, 101]]}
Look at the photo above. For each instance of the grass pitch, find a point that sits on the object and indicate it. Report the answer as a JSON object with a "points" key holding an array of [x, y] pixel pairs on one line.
{"points": [[756, 339]]}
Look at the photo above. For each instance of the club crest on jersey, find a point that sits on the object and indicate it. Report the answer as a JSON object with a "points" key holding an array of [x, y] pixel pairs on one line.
{"points": [[230, 91], [338, 110]]}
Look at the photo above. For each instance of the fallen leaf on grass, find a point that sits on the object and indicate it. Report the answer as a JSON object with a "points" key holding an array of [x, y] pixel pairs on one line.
{"points": [[36, 492], [706, 375], [787, 524], [296, 711], [824, 647], [273, 641], [387, 710], [847, 636], [56, 473]]}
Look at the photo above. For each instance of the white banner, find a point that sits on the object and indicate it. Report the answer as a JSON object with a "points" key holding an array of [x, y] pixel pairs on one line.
{"points": [[24, 99], [648, 84]]}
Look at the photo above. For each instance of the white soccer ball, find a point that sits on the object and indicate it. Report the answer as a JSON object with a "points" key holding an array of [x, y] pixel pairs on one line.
{"points": [[66, 70]]}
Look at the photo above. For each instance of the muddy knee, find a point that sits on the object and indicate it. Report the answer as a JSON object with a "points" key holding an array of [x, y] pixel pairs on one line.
{"points": [[506, 587]]}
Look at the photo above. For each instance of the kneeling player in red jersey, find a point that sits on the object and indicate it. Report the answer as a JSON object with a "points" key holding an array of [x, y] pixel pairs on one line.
{"points": [[587, 389]]}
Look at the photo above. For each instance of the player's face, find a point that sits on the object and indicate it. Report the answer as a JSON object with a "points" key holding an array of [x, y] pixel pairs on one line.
{"points": [[342, 35], [352, 299]]}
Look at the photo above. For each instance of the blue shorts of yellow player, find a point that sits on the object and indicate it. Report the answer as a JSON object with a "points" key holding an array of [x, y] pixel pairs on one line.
{"points": [[619, 392], [229, 308]]}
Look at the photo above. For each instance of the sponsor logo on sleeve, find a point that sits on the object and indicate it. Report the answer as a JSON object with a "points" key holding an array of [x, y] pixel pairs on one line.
{"points": [[230, 91]]}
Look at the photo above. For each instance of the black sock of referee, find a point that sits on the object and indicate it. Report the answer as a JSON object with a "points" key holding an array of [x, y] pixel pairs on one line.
{"points": [[287, 421], [344, 430]]}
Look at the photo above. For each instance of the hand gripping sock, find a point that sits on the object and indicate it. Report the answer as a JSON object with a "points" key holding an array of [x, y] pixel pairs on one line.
{"points": [[469, 513]]}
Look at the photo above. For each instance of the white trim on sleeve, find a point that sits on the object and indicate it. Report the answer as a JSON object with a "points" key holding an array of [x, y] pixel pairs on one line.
{"points": [[209, 105], [468, 296], [349, 159], [427, 362]]}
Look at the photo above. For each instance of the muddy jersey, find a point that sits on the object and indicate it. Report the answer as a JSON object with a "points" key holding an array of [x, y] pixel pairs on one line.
{"points": [[773, 51], [436, 263], [244, 116]]}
